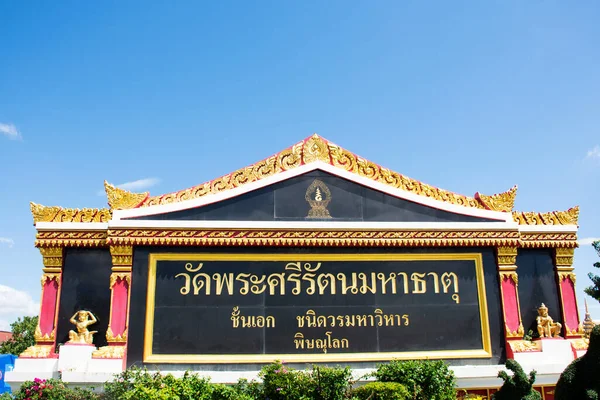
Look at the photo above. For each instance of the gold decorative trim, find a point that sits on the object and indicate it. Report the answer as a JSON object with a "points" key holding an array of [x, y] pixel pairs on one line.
{"points": [[512, 275], [264, 237], [548, 240], [59, 239], [562, 275], [124, 276], [120, 199], [314, 148], [122, 256], [499, 202], [564, 257], [109, 352], [58, 214], [50, 277], [111, 338], [579, 344], [41, 338], [569, 217], [507, 255], [515, 334], [524, 346], [37, 351], [149, 357], [52, 257]]}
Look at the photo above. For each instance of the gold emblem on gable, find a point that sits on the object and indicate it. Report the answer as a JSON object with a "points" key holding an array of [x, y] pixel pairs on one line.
{"points": [[318, 196]]}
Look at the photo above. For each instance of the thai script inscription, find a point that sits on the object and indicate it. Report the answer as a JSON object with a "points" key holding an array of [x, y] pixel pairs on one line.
{"points": [[306, 278], [312, 320], [250, 321]]}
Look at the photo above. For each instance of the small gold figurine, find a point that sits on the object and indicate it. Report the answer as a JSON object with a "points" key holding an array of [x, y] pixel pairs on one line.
{"points": [[545, 324], [83, 335]]}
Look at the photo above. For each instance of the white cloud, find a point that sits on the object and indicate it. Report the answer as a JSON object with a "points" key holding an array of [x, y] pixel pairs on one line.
{"points": [[136, 186], [588, 241], [594, 153], [10, 130], [4, 325], [16, 302], [7, 241]]}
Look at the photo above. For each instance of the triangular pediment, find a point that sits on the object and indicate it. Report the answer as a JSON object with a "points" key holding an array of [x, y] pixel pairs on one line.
{"points": [[316, 195], [313, 153]]}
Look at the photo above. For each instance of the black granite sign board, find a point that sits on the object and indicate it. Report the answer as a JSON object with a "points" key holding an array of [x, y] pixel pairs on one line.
{"points": [[222, 308]]}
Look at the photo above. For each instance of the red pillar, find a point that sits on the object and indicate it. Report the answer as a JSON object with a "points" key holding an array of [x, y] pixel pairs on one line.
{"points": [[120, 284], [45, 333], [563, 258]]}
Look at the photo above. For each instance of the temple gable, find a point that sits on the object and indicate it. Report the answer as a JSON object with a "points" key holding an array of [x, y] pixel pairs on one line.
{"points": [[315, 195]]}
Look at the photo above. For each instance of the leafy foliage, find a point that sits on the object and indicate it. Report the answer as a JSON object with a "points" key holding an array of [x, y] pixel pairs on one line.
{"points": [[425, 379], [518, 386], [381, 391], [594, 290], [580, 379], [139, 384], [322, 383], [23, 331], [51, 389]]}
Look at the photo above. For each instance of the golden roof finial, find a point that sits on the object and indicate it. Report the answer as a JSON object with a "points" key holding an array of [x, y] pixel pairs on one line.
{"points": [[42, 213], [569, 217], [499, 202], [121, 199], [315, 149]]}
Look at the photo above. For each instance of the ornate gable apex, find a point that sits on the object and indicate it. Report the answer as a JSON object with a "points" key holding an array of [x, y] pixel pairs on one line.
{"points": [[316, 149]]}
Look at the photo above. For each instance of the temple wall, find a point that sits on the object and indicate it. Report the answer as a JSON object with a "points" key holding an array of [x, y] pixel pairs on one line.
{"points": [[537, 285], [85, 286]]}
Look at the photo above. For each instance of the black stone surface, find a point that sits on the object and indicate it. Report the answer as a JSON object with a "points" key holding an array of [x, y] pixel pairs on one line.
{"points": [[537, 285], [85, 286], [201, 324], [285, 201]]}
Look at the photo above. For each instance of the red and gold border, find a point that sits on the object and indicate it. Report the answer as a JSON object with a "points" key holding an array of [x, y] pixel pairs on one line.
{"points": [[265, 237]]}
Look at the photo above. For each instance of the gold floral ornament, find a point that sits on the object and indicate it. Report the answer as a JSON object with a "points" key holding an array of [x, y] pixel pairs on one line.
{"points": [[58, 214], [315, 149], [121, 199], [499, 202], [569, 217]]}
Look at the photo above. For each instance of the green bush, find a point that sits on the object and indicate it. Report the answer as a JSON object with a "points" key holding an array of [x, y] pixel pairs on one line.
{"points": [[581, 378], [330, 383], [424, 379], [283, 383], [381, 391], [51, 389], [139, 384], [518, 386], [322, 383]]}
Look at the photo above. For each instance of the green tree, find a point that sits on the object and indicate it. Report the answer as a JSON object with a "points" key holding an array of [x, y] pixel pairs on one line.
{"points": [[23, 331], [594, 290]]}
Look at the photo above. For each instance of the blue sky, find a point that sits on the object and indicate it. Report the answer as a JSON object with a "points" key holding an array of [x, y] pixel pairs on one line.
{"points": [[467, 96]]}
